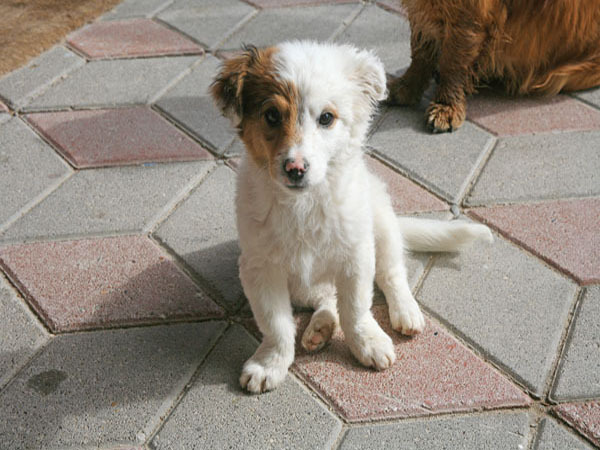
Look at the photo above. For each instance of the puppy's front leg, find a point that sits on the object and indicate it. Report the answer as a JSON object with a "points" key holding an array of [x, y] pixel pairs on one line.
{"points": [[267, 291], [367, 341]]}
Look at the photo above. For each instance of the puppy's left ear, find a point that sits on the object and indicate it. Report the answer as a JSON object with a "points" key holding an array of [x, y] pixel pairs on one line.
{"points": [[370, 75], [227, 87]]}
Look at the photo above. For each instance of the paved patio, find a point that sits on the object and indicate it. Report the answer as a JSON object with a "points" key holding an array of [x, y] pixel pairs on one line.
{"points": [[124, 323]]}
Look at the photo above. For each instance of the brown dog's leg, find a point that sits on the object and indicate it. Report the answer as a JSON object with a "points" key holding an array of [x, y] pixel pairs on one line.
{"points": [[408, 89]]}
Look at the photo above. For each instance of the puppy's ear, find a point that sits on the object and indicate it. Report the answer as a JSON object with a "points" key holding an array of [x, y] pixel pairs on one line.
{"points": [[370, 75], [227, 87]]}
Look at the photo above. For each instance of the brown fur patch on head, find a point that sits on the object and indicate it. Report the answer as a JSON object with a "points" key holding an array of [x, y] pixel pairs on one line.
{"points": [[248, 88]]}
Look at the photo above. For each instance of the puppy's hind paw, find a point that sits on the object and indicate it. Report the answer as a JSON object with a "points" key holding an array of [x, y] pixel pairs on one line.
{"points": [[319, 331], [445, 118]]}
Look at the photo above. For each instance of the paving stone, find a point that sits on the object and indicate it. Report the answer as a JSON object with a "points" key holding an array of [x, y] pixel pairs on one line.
{"points": [[499, 298], [20, 86], [540, 167], [215, 406], [578, 375], [111, 83], [105, 282], [407, 197], [497, 431], [585, 417], [272, 26], [207, 21], [107, 137], [129, 9], [21, 335], [203, 233], [284, 3], [433, 373], [507, 116], [552, 436], [590, 95], [385, 32], [120, 200], [130, 38], [392, 5], [444, 162], [102, 388], [3, 107], [565, 233], [29, 168], [190, 104]]}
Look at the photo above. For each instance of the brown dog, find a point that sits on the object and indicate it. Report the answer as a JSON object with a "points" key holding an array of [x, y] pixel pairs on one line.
{"points": [[527, 46]]}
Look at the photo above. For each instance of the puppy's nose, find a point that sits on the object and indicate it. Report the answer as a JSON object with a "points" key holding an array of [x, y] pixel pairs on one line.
{"points": [[295, 169]]}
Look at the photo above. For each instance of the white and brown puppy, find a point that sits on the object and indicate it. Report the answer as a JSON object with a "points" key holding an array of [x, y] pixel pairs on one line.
{"points": [[315, 226]]}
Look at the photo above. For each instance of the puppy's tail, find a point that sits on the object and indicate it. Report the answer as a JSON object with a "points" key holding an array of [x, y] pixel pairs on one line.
{"points": [[424, 235]]}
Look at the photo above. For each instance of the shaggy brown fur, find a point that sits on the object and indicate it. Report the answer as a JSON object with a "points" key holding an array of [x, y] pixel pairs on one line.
{"points": [[527, 46], [28, 27]]}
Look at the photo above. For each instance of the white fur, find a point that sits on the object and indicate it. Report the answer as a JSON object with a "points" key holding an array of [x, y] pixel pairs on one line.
{"points": [[324, 245]]}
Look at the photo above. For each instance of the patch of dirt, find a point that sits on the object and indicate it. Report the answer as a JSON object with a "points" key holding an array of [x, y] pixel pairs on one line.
{"points": [[29, 27]]}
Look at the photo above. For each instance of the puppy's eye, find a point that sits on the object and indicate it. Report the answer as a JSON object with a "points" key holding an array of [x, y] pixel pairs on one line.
{"points": [[272, 117], [325, 119]]}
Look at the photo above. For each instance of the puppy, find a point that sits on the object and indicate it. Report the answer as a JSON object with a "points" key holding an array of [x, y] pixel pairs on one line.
{"points": [[314, 224], [525, 46]]}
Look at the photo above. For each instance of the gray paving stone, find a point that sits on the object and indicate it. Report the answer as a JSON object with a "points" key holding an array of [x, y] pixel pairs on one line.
{"points": [[385, 32], [509, 304], [103, 201], [130, 9], [116, 82], [540, 167], [444, 162], [21, 335], [215, 413], [97, 388], [202, 231], [20, 86], [272, 26], [552, 436], [578, 375], [29, 168], [207, 21], [190, 104], [591, 96], [485, 431]]}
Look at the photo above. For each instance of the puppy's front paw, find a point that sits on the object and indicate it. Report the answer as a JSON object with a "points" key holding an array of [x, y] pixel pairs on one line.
{"points": [[257, 377], [442, 118], [374, 348], [319, 331], [407, 319]]}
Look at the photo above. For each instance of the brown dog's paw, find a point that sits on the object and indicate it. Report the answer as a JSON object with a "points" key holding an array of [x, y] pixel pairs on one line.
{"points": [[401, 94], [444, 118]]}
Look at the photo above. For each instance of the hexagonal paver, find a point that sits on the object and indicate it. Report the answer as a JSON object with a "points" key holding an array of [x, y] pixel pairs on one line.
{"points": [[540, 167], [585, 417], [190, 104], [284, 3], [552, 436], [590, 95], [271, 26], [111, 83], [202, 232], [507, 116], [21, 335], [121, 200], [29, 167], [387, 33], [116, 136], [207, 21], [500, 298], [499, 431], [565, 234], [105, 282], [578, 375], [215, 405], [130, 38], [433, 373], [3, 107], [445, 162], [102, 388], [392, 5], [407, 197], [129, 9]]}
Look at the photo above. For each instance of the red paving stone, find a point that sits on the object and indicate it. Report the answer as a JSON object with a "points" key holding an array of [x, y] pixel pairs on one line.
{"points": [[129, 38], [583, 416], [93, 283], [433, 373], [282, 3], [392, 5], [407, 197], [563, 233], [508, 116], [3, 107], [109, 137]]}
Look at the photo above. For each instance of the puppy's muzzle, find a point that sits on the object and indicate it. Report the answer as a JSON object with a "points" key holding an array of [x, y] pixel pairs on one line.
{"points": [[295, 171]]}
